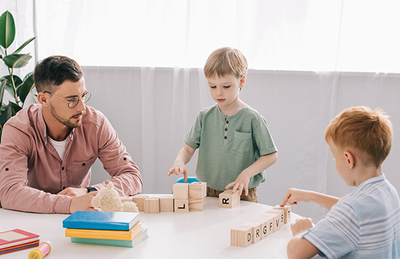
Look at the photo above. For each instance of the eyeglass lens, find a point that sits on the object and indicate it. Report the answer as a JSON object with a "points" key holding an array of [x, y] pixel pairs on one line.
{"points": [[86, 96]]}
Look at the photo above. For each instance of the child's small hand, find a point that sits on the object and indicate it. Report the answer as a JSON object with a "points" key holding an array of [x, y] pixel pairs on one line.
{"points": [[179, 169], [293, 196], [241, 182], [301, 225]]}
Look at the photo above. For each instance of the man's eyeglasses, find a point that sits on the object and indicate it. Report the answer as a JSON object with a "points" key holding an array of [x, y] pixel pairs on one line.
{"points": [[73, 102]]}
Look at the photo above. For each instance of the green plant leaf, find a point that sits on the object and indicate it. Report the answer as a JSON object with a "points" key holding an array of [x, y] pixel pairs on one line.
{"points": [[2, 88], [24, 45], [8, 111], [17, 81], [7, 29], [24, 89], [17, 60]]}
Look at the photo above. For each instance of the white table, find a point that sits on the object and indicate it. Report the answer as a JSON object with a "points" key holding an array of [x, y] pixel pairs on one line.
{"points": [[197, 234]]}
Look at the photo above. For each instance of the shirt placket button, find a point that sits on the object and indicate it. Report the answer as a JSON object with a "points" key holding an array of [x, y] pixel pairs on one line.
{"points": [[226, 128]]}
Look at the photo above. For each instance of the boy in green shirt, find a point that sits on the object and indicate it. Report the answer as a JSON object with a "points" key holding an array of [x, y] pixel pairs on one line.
{"points": [[235, 146]]}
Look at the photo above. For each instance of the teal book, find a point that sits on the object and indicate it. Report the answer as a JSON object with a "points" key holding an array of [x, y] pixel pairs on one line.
{"points": [[112, 242], [103, 220]]}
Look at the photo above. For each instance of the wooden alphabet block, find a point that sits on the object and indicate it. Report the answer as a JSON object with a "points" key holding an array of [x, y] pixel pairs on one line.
{"points": [[196, 204], [241, 236], [181, 190], [167, 203], [281, 214], [278, 222], [229, 199], [139, 199], [181, 205], [197, 190], [286, 211], [267, 225], [152, 205], [255, 230]]}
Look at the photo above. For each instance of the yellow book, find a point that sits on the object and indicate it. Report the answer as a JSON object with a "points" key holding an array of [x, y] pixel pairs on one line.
{"points": [[105, 234]]}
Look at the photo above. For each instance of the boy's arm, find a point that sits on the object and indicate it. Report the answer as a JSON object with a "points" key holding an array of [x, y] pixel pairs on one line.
{"points": [[183, 157], [242, 181], [293, 196], [298, 247]]}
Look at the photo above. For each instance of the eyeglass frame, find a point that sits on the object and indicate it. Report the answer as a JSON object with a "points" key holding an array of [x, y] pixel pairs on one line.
{"points": [[72, 101]]}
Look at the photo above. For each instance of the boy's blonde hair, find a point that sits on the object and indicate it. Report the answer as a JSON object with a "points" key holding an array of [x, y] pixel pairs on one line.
{"points": [[225, 61], [366, 130]]}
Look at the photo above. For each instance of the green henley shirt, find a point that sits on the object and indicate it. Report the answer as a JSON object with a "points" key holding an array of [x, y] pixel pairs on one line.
{"points": [[228, 145]]}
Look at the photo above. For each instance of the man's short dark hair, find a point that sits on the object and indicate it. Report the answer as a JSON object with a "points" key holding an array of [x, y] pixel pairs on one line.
{"points": [[53, 71]]}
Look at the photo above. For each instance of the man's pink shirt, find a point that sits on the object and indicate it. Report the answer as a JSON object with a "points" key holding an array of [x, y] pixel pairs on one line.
{"points": [[32, 173]]}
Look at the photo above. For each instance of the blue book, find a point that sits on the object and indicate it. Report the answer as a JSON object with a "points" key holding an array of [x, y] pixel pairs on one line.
{"points": [[112, 242], [104, 220]]}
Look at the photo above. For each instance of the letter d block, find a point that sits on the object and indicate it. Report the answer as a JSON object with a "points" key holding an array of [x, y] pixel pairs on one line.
{"points": [[181, 205], [241, 236], [256, 230], [286, 211], [227, 199], [181, 191]]}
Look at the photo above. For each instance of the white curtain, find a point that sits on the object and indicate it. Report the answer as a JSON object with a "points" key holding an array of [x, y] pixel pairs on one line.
{"points": [[143, 62]]}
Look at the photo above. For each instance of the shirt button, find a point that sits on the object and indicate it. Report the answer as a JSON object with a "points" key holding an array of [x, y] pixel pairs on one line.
{"points": [[83, 164], [6, 169], [62, 168], [227, 122], [124, 158], [225, 137], [226, 129]]}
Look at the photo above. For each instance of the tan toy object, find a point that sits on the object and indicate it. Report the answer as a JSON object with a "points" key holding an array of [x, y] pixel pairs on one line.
{"points": [[107, 199]]}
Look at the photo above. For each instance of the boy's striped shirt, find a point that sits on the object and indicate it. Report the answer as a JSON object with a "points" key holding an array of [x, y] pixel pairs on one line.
{"points": [[363, 224]]}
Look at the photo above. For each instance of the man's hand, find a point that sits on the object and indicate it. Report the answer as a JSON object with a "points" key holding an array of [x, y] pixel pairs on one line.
{"points": [[301, 225], [83, 202], [74, 192]]}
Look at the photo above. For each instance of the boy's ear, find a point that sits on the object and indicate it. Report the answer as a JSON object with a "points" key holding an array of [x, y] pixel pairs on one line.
{"points": [[350, 159], [242, 81]]}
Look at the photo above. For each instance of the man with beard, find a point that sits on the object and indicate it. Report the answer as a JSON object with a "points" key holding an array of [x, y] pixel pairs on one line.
{"points": [[47, 149]]}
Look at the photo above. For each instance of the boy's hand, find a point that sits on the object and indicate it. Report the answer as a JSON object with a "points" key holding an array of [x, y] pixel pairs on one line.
{"points": [[301, 225], [293, 196], [179, 169], [241, 182]]}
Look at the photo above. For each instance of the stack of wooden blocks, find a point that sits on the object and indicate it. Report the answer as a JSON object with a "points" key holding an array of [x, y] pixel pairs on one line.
{"points": [[186, 197], [260, 227]]}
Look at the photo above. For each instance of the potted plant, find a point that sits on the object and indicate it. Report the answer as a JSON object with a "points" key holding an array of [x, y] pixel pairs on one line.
{"points": [[13, 84]]}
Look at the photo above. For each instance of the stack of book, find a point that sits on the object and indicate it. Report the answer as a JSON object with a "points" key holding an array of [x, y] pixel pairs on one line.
{"points": [[105, 228], [16, 240]]}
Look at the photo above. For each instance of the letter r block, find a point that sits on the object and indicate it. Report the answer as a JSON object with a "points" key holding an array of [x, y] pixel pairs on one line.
{"points": [[227, 199]]}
